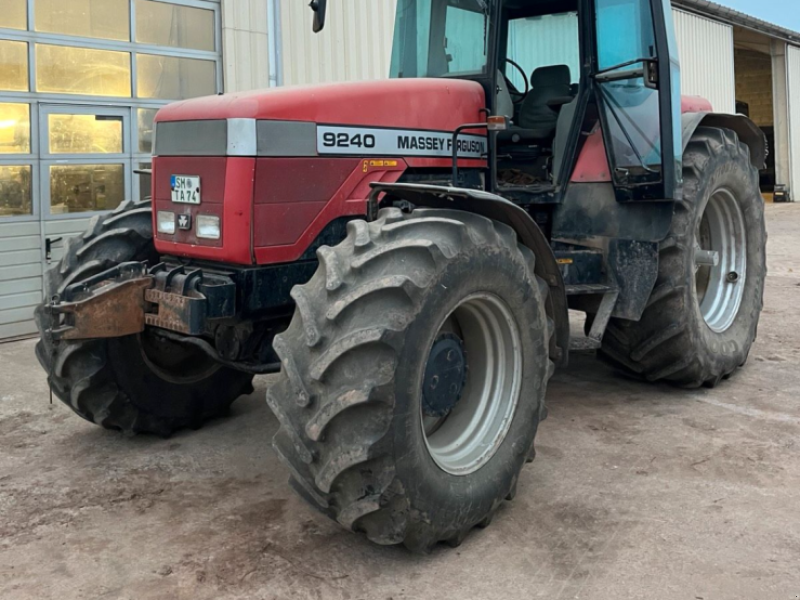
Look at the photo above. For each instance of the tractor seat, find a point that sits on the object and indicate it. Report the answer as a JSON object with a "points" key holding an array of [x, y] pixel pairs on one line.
{"points": [[548, 84], [538, 116]]}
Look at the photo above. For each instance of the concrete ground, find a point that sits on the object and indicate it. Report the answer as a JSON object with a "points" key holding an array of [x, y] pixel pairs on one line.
{"points": [[638, 491]]}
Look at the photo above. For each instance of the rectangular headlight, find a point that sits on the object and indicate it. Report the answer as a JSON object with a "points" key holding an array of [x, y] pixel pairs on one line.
{"points": [[166, 222], [208, 227]]}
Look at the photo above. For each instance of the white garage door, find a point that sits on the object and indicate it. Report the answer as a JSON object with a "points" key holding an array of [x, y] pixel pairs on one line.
{"points": [[706, 54], [793, 73]]}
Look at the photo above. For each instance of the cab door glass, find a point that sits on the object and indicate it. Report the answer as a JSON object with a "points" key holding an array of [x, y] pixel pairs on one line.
{"points": [[624, 32], [630, 101]]}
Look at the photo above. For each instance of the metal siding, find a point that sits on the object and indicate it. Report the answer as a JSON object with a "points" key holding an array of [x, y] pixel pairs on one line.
{"points": [[356, 43], [793, 76], [705, 48], [245, 45], [20, 277]]}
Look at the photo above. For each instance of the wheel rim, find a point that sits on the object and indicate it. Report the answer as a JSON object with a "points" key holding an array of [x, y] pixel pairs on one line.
{"points": [[462, 441], [720, 261]]}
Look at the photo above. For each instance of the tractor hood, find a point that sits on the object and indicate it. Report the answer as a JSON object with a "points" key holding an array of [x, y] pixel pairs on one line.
{"points": [[272, 169], [423, 104]]}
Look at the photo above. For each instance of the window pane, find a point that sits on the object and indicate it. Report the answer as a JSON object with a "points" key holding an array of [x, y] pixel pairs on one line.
{"points": [[15, 191], [635, 19], [14, 14], [84, 188], [145, 126], [85, 134], [171, 78], [13, 66], [82, 71], [105, 19], [166, 24], [145, 182], [15, 128], [541, 42]]}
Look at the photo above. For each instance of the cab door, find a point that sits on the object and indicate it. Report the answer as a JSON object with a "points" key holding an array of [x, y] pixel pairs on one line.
{"points": [[636, 79]]}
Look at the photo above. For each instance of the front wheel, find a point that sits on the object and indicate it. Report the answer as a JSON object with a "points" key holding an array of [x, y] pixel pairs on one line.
{"points": [[135, 384], [414, 374], [702, 317]]}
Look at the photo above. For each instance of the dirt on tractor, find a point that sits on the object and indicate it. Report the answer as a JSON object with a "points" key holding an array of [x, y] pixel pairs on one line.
{"points": [[638, 491]]}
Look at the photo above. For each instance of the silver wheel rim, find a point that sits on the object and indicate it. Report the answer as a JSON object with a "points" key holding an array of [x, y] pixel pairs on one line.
{"points": [[720, 260], [466, 439]]}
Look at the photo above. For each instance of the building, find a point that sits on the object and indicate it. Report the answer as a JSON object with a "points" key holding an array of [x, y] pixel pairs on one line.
{"points": [[81, 81]]}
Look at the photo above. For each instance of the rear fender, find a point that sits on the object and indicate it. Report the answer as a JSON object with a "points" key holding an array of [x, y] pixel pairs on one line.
{"points": [[749, 133], [499, 209]]}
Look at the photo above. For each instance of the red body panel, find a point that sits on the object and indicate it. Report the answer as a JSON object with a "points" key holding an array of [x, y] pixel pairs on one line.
{"points": [[291, 192], [592, 165], [230, 179], [276, 245]]}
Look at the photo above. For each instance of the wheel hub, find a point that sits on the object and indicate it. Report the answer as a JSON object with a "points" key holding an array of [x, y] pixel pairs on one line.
{"points": [[720, 257], [478, 402], [445, 375]]}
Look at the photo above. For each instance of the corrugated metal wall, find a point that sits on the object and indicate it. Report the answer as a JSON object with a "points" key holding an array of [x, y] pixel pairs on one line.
{"points": [[356, 43], [793, 77], [706, 53], [20, 277], [245, 44]]}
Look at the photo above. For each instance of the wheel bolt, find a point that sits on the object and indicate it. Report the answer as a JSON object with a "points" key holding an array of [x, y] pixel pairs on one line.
{"points": [[732, 277], [434, 382]]}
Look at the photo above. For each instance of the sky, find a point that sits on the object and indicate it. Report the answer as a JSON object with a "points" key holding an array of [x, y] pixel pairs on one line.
{"points": [[785, 13]]}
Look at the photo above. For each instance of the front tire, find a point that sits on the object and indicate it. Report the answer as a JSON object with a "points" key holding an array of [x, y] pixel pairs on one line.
{"points": [[702, 317], [362, 441], [134, 384]]}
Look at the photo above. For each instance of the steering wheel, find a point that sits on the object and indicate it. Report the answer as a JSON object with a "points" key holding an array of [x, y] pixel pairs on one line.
{"points": [[516, 96]]}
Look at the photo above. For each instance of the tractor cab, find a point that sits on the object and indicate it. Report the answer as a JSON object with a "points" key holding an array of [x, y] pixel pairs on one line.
{"points": [[564, 75]]}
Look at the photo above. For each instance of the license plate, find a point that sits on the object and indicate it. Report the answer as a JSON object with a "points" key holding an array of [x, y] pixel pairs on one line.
{"points": [[186, 189]]}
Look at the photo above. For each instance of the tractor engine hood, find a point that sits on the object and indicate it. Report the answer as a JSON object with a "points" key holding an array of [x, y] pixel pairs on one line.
{"points": [[282, 121]]}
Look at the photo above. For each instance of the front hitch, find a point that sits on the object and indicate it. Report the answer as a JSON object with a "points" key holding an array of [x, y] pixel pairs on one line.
{"points": [[127, 298], [109, 304]]}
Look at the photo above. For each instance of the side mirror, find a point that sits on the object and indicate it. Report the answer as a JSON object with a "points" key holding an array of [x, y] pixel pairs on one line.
{"points": [[319, 7]]}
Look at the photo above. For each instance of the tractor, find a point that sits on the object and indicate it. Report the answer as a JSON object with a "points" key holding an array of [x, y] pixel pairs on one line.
{"points": [[403, 256]]}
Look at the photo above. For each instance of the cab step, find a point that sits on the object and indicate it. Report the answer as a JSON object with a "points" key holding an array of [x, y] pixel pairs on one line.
{"points": [[594, 339]]}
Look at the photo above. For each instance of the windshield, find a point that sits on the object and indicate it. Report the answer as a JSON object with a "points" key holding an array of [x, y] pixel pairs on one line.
{"points": [[437, 38]]}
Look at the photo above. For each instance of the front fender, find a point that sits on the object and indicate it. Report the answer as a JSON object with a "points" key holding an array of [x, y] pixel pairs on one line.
{"points": [[499, 209], [749, 133]]}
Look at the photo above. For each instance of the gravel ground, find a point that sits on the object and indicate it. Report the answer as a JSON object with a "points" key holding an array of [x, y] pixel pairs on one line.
{"points": [[638, 491]]}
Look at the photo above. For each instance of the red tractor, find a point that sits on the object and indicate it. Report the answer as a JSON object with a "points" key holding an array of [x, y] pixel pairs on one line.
{"points": [[404, 254]]}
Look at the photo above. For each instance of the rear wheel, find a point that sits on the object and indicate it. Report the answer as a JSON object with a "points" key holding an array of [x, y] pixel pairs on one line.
{"points": [[414, 374], [136, 384], [702, 317]]}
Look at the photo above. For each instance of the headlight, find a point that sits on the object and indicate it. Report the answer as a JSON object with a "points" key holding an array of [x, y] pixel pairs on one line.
{"points": [[166, 222], [208, 227]]}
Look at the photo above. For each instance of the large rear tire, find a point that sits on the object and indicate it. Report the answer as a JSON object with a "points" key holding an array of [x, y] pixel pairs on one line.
{"points": [[404, 303], [135, 384], [702, 317]]}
